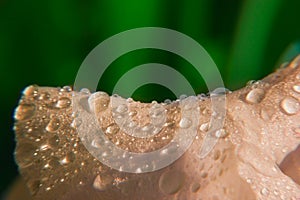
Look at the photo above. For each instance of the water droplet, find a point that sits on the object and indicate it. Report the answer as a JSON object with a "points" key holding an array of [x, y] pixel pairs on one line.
{"points": [[53, 141], [33, 186], [99, 101], [204, 174], [296, 88], [138, 170], [70, 157], [44, 96], [67, 88], [167, 101], [185, 123], [298, 76], [121, 109], [53, 125], [112, 129], [221, 133], [183, 96], [264, 191], [101, 183], [85, 91], [171, 182], [25, 153], [217, 154], [290, 105], [24, 111], [31, 90], [255, 95], [63, 102], [195, 187], [204, 127]]}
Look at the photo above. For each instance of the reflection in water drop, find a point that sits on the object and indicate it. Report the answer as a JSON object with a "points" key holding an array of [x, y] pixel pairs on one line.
{"points": [[255, 96], [290, 105]]}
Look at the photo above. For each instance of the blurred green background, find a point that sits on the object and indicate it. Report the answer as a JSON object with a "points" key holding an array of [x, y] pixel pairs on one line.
{"points": [[44, 43]]}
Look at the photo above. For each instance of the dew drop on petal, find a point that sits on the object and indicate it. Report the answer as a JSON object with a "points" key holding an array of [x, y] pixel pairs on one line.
{"points": [[171, 182], [63, 102], [25, 111], [264, 191], [296, 88], [112, 129], [53, 125], [290, 105], [256, 95], [185, 123]]}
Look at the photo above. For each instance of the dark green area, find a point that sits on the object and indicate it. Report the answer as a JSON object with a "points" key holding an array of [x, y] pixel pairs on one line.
{"points": [[44, 43]]}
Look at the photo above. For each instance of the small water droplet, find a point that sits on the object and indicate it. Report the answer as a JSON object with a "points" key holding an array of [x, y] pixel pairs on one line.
{"points": [[204, 174], [290, 105], [53, 141], [256, 95], [112, 129], [195, 187], [101, 182], [183, 96], [138, 170], [67, 88], [63, 102], [204, 127], [53, 125], [264, 191], [44, 96], [171, 182], [296, 88], [185, 123], [121, 109], [217, 154], [24, 111], [70, 157], [167, 101], [85, 91], [221, 133]]}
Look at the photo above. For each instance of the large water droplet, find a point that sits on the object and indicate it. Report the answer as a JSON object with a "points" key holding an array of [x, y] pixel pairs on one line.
{"points": [[99, 101], [63, 102], [296, 88], [24, 111], [185, 123], [171, 182], [53, 125], [290, 105], [255, 95]]}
